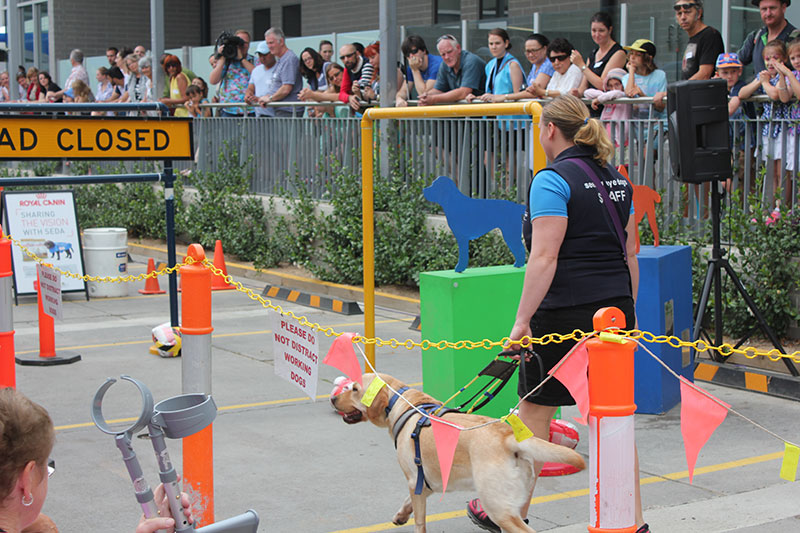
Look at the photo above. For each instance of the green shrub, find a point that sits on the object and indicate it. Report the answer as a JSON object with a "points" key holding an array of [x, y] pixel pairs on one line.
{"points": [[759, 249], [225, 210]]}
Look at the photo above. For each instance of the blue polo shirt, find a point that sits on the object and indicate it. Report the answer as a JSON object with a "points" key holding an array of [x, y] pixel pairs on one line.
{"points": [[471, 74], [430, 73]]}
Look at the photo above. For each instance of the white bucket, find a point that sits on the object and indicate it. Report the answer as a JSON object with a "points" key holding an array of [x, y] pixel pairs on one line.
{"points": [[105, 251]]}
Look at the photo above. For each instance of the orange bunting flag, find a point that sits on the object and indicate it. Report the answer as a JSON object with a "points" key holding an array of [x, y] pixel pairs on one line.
{"points": [[701, 414], [342, 356], [446, 438], [574, 375]]}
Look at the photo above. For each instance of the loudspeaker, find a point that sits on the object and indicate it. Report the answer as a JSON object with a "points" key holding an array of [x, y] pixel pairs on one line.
{"points": [[699, 136]]}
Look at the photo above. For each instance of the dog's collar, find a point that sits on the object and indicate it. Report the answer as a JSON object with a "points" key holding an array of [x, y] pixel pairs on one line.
{"points": [[394, 398]]}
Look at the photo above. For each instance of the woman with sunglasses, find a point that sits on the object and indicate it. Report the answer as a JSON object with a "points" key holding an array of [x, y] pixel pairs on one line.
{"points": [[566, 76], [607, 56], [27, 436]]}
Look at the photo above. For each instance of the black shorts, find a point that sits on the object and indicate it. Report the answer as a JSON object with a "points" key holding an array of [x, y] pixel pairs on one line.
{"points": [[563, 320]]}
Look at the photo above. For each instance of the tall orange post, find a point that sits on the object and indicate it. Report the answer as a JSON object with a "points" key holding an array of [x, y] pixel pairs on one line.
{"points": [[47, 340], [47, 327], [8, 376], [198, 449], [612, 479]]}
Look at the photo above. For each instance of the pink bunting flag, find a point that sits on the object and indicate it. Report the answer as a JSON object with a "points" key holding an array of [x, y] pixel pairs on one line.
{"points": [[701, 414], [574, 375], [446, 438], [342, 356]]}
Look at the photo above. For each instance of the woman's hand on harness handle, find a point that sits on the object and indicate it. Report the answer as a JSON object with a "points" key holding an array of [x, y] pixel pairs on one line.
{"points": [[517, 333], [517, 354]]}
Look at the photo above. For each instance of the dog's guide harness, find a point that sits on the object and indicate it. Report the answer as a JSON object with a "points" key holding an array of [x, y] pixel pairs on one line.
{"points": [[423, 421]]}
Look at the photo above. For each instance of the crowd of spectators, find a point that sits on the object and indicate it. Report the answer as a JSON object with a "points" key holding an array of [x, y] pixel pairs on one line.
{"points": [[276, 75]]}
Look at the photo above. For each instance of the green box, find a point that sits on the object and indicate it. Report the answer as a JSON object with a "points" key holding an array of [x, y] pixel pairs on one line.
{"points": [[477, 304]]}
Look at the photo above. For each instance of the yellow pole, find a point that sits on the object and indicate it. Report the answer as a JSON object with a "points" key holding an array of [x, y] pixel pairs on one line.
{"points": [[367, 172], [368, 226]]}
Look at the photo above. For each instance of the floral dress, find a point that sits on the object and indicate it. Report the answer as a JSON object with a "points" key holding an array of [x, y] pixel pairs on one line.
{"points": [[772, 112]]}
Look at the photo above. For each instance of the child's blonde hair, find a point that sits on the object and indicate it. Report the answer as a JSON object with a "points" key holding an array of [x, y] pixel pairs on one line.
{"points": [[777, 44], [794, 43]]}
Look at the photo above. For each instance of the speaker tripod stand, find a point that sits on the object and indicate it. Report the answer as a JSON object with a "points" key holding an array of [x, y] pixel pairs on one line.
{"points": [[716, 265]]}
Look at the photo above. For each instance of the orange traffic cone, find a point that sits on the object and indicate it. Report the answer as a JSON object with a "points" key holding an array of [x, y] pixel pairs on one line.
{"points": [[217, 282], [151, 285]]}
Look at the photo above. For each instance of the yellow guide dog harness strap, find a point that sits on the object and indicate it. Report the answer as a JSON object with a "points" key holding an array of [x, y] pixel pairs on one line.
{"points": [[423, 421]]}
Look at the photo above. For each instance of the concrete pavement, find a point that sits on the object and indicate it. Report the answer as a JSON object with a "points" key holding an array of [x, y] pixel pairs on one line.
{"points": [[303, 470]]}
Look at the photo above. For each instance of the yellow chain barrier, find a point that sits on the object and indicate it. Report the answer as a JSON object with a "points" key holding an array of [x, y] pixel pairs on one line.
{"points": [[577, 335], [99, 279]]}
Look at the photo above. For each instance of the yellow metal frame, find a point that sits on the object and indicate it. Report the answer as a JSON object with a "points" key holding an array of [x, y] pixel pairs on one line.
{"points": [[367, 173]]}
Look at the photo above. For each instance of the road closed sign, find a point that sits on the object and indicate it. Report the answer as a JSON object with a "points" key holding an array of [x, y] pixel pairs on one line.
{"points": [[71, 137]]}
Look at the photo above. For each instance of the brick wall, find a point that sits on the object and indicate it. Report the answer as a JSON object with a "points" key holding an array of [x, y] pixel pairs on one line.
{"points": [[318, 16], [120, 23]]}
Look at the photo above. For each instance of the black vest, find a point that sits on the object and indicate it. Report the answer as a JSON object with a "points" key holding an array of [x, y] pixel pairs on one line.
{"points": [[591, 264]]}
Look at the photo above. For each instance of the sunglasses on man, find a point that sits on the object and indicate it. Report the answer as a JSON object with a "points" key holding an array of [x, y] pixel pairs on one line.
{"points": [[562, 57], [347, 56], [684, 8]]}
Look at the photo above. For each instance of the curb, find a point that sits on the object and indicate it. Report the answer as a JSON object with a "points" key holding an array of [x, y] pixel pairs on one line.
{"points": [[276, 278], [749, 378], [345, 307]]}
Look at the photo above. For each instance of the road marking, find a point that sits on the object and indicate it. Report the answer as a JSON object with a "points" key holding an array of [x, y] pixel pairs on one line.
{"points": [[385, 526], [302, 399]]}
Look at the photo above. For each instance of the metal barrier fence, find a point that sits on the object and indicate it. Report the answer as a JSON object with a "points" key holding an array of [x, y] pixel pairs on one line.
{"points": [[487, 160], [482, 155], [487, 157]]}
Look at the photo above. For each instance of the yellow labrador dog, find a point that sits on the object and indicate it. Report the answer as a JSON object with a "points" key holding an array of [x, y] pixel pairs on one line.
{"points": [[488, 460]]}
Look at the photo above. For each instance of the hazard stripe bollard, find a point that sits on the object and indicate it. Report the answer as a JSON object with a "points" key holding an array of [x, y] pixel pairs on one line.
{"points": [[198, 449], [612, 477], [7, 370]]}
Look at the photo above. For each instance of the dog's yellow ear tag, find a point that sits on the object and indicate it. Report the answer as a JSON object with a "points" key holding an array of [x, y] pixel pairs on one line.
{"points": [[521, 431], [372, 391]]}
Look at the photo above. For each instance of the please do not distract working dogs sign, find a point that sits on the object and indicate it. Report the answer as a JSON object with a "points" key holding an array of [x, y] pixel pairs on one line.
{"points": [[296, 353]]}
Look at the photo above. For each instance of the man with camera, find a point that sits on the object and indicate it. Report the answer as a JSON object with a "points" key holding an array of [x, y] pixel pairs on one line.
{"points": [[284, 82], [232, 73]]}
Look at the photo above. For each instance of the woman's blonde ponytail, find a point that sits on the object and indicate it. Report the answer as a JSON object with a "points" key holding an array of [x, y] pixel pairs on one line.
{"points": [[571, 116]]}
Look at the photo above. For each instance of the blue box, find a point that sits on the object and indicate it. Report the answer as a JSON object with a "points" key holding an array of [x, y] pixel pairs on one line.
{"points": [[663, 307]]}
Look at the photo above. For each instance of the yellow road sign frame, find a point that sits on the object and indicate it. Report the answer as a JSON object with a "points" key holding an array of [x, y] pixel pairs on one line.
{"points": [[42, 137]]}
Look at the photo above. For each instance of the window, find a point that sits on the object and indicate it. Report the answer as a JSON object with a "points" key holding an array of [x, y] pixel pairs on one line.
{"points": [[447, 11], [493, 9], [292, 26], [262, 21]]}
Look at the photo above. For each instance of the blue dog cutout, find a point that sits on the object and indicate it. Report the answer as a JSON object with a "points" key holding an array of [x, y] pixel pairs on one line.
{"points": [[470, 218]]}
